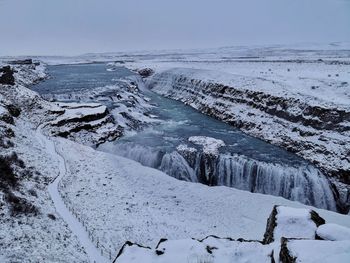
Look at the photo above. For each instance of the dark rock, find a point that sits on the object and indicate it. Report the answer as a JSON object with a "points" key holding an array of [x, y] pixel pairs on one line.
{"points": [[285, 257], [6, 76], [127, 244], [7, 118], [270, 226], [146, 72], [22, 62], [316, 218], [13, 110]]}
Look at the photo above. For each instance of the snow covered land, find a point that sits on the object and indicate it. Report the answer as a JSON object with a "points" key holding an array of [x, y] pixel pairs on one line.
{"points": [[64, 201]]}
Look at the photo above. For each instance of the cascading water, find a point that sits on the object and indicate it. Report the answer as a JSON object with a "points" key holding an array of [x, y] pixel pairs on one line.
{"points": [[304, 183]]}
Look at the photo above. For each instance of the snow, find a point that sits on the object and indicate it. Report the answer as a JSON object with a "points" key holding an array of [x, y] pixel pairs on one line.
{"points": [[3, 110], [118, 199], [44, 237], [311, 251], [294, 223], [185, 148], [73, 223], [333, 232], [85, 110], [210, 145], [190, 250], [142, 204]]}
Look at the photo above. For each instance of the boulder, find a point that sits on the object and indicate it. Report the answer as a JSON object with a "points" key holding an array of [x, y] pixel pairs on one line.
{"points": [[290, 222], [333, 232], [145, 72], [6, 76], [302, 251]]}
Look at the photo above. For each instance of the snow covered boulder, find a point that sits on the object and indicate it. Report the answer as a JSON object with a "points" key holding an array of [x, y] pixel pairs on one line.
{"points": [[333, 232], [210, 249], [290, 222], [311, 251]]}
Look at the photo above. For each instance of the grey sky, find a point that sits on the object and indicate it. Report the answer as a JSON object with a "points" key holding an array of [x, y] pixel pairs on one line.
{"points": [[55, 27]]}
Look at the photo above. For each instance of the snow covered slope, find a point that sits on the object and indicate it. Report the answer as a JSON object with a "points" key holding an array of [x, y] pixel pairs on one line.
{"points": [[30, 228], [128, 201]]}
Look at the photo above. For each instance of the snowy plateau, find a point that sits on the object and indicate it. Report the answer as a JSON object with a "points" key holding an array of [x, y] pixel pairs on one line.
{"points": [[68, 195]]}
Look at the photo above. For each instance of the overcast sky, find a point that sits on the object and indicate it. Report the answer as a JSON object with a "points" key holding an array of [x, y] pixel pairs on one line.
{"points": [[67, 27]]}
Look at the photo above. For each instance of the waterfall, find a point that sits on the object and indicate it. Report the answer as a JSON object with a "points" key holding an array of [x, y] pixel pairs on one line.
{"points": [[305, 183]]}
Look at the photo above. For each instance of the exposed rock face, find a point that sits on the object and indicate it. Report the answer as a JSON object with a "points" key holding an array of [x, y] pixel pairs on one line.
{"points": [[89, 123], [6, 76], [319, 133], [285, 256], [126, 106]]}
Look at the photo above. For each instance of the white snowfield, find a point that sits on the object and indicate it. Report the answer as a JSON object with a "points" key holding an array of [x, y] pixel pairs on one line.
{"points": [[194, 251]]}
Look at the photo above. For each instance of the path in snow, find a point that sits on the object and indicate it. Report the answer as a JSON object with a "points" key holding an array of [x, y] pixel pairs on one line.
{"points": [[75, 226]]}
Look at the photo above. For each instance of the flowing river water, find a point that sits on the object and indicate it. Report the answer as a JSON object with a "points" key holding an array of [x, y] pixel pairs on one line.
{"points": [[243, 162]]}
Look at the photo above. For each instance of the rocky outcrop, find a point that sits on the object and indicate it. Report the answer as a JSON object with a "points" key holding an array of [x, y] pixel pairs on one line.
{"points": [[88, 123]]}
